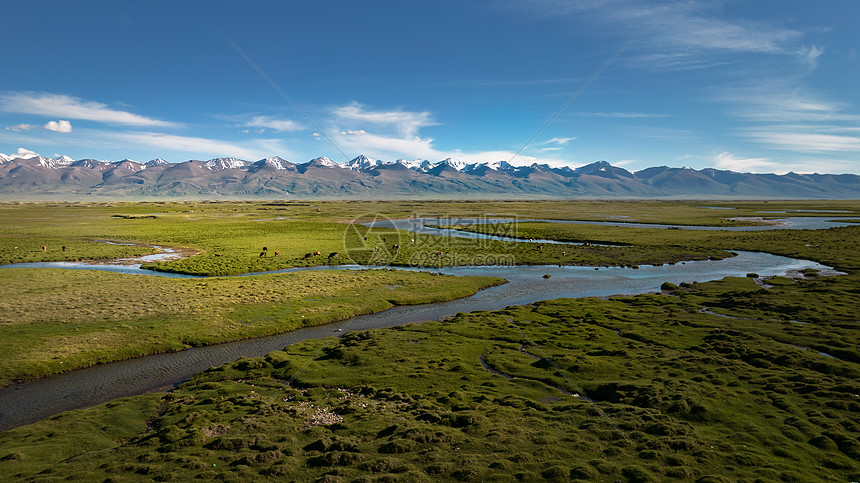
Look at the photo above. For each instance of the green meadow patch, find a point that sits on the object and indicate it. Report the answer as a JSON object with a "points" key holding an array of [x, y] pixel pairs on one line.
{"points": [[737, 379], [56, 320], [644, 388]]}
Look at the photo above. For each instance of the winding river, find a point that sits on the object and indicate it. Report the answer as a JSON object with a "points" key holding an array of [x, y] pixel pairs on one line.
{"points": [[32, 401]]}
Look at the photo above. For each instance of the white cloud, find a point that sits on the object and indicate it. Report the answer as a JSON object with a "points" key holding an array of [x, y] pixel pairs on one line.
{"points": [[559, 141], [678, 25], [397, 136], [59, 126], [807, 142], [276, 125], [405, 123], [810, 55], [26, 153], [21, 127], [731, 162], [550, 149], [59, 105], [776, 101], [251, 150]]}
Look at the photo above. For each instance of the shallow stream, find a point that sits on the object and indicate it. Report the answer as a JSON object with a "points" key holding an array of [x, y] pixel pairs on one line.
{"points": [[32, 401]]}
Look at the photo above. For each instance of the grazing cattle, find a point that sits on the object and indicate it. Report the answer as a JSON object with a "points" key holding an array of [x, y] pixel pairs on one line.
{"points": [[277, 254], [333, 255], [309, 255], [563, 253], [262, 254], [217, 254], [395, 246], [64, 247], [44, 248], [316, 254], [265, 249]]}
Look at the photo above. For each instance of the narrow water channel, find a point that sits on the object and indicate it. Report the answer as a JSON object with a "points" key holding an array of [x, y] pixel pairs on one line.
{"points": [[26, 403]]}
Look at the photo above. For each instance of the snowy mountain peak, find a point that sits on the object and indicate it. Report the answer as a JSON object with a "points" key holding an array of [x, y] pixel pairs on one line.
{"points": [[156, 162], [363, 162], [324, 161], [219, 164], [276, 162], [415, 165], [453, 163], [501, 166]]}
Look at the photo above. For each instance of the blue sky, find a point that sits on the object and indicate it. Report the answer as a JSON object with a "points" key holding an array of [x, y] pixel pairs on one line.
{"points": [[764, 86]]}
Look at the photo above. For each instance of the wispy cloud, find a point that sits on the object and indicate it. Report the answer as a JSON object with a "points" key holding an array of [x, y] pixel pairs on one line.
{"points": [[681, 23], [558, 141], [807, 142], [197, 146], [731, 162], [810, 55], [678, 33], [794, 119], [405, 123], [393, 134], [56, 126], [22, 127], [63, 106], [276, 125], [779, 101]]}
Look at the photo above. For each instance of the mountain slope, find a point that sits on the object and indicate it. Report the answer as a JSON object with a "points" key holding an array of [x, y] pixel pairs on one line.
{"points": [[37, 178]]}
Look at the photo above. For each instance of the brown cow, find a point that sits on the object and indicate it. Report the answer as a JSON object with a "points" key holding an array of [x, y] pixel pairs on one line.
{"points": [[316, 254], [277, 254], [44, 248]]}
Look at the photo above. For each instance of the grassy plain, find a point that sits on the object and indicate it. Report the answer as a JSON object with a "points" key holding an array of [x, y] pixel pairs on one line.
{"points": [[718, 381], [54, 320], [230, 235], [676, 394]]}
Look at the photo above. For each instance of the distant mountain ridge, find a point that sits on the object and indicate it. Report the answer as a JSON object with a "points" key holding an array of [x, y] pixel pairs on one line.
{"points": [[63, 178]]}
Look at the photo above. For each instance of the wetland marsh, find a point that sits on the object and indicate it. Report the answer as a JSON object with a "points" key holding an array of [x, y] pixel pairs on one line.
{"points": [[667, 379]]}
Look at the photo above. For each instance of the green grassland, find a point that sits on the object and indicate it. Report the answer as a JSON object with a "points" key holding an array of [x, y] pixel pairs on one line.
{"points": [[229, 236], [54, 320], [835, 246], [676, 394], [716, 381]]}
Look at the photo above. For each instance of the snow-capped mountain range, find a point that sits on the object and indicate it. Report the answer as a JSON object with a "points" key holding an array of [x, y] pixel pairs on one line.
{"points": [[37, 177]]}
